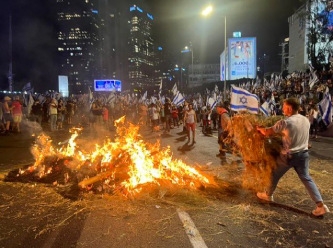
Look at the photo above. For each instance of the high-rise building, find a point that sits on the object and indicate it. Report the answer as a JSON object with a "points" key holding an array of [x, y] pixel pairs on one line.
{"points": [[141, 48], [114, 33], [78, 48]]}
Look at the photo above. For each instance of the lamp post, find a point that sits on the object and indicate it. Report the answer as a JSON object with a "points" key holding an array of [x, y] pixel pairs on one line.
{"points": [[206, 12], [186, 50], [225, 59]]}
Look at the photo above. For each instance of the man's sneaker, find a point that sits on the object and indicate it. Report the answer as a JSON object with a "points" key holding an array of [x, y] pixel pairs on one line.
{"points": [[319, 211], [265, 197]]}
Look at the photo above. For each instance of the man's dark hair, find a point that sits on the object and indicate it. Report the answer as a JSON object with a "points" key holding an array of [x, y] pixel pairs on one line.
{"points": [[293, 102]]}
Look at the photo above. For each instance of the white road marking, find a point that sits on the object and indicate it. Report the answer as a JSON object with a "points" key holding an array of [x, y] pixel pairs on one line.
{"points": [[191, 231]]}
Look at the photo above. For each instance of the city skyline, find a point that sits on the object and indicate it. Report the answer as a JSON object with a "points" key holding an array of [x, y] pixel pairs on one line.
{"points": [[177, 22]]}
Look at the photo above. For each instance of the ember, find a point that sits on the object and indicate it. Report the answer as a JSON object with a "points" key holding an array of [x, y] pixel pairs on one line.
{"points": [[124, 165]]}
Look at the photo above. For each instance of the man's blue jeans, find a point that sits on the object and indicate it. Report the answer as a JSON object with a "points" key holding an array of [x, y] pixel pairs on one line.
{"points": [[300, 162]]}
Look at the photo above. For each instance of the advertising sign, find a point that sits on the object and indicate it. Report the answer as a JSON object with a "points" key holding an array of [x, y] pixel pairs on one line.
{"points": [[107, 85], [242, 54]]}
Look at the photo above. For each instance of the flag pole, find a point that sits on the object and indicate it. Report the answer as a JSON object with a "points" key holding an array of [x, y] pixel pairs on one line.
{"points": [[10, 72]]}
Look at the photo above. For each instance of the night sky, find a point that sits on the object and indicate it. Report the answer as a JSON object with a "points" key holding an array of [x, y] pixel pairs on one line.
{"points": [[177, 23]]}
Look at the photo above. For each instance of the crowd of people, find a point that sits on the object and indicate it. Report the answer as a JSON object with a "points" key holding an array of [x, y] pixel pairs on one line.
{"points": [[52, 113]]}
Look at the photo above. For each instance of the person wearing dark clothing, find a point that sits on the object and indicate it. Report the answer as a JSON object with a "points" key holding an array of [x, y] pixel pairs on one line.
{"points": [[167, 114], [224, 121], [37, 112]]}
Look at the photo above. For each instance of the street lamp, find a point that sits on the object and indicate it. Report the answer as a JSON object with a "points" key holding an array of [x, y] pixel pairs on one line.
{"points": [[206, 12], [186, 50]]}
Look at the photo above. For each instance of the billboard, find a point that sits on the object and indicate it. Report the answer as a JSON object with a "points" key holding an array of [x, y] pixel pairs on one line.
{"points": [[242, 54], [107, 85]]}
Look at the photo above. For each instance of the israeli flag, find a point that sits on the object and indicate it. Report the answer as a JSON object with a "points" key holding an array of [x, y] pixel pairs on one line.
{"points": [[325, 109], [243, 100], [264, 108], [179, 99]]}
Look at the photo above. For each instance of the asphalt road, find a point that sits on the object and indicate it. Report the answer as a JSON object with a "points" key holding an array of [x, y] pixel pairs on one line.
{"points": [[35, 215]]}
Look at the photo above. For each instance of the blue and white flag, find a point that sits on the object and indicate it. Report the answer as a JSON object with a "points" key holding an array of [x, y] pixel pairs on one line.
{"points": [[178, 99], [30, 103], [160, 90], [174, 89], [27, 88], [325, 109], [216, 89], [264, 108], [144, 97], [243, 100]]}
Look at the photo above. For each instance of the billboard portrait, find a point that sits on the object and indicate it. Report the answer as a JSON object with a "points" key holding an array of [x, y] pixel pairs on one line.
{"points": [[107, 85], [242, 58]]}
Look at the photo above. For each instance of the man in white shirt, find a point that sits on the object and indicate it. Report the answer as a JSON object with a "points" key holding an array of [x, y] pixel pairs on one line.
{"points": [[295, 137]]}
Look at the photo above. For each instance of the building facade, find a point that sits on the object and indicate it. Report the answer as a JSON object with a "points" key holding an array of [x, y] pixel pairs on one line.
{"points": [[200, 74], [298, 58]]}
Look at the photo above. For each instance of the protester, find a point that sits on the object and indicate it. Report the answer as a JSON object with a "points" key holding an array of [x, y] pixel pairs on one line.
{"points": [[70, 110], [17, 114], [61, 112], [2, 126], [313, 118], [190, 120], [224, 120], [154, 118], [143, 113], [295, 136], [105, 113], [167, 114], [97, 112], [53, 112], [36, 113], [7, 115], [174, 114]]}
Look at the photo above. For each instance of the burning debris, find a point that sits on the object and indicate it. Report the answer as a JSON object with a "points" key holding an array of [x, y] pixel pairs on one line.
{"points": [[124, 165]]}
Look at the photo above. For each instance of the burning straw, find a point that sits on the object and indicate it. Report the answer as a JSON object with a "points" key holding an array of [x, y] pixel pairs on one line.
{"points": [[124, 165], [258, 153]]}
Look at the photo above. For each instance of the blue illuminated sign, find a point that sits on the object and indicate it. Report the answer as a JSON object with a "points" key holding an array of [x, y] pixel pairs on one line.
{"points": [[139, 9], [107, 85]]}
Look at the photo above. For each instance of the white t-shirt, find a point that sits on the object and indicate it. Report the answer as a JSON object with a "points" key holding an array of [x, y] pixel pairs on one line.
{"points": [[295, 133]]}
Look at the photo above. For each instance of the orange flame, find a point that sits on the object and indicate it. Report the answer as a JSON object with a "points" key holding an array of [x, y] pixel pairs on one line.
{"points": [[128, 155]]}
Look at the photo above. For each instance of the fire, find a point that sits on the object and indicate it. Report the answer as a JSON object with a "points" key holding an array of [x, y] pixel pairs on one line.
{"points": [[127, 163]]}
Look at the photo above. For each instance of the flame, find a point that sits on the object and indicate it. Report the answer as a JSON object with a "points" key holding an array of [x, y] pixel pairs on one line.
{"points": [[127, 162]]}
